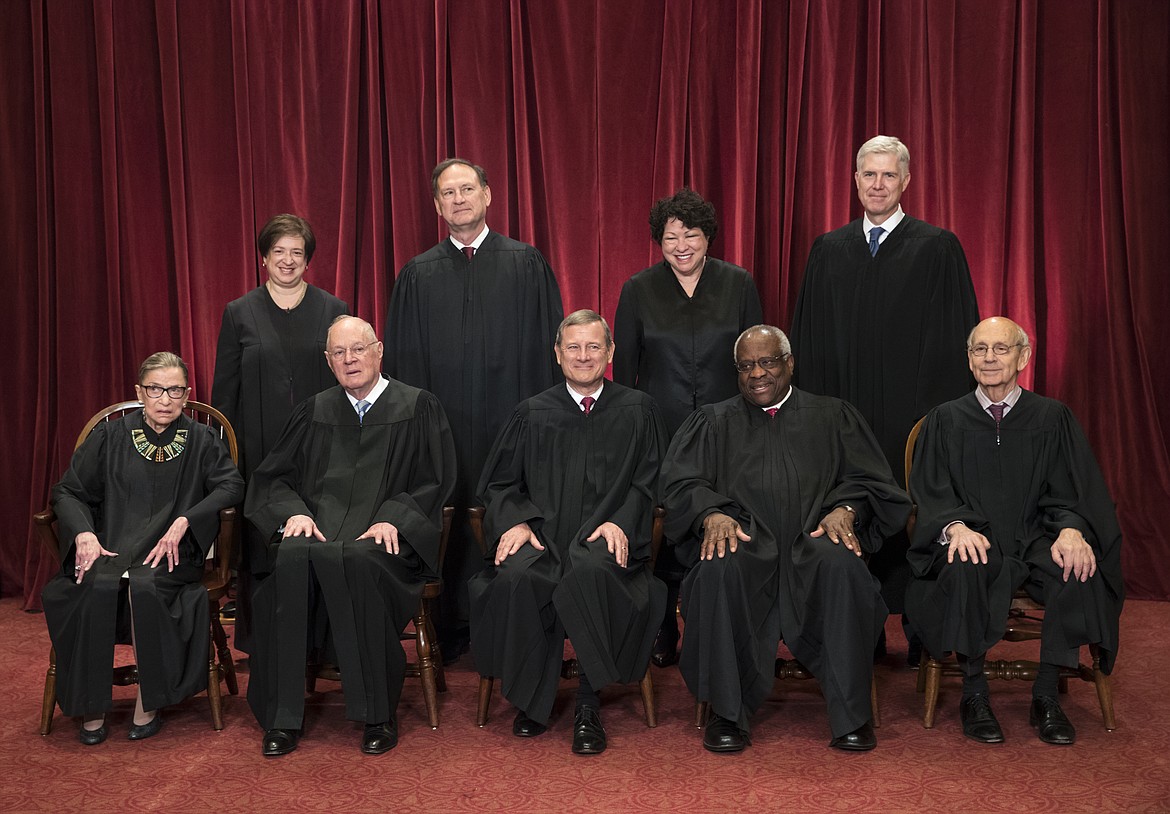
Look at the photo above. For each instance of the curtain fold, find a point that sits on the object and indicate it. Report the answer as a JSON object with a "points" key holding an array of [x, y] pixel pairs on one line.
{"points": [[146, 141]]}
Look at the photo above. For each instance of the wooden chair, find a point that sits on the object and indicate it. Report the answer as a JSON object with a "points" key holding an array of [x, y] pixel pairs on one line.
{"points": [[570, 667], [1025, 616], [215, 579], [429, 666]]}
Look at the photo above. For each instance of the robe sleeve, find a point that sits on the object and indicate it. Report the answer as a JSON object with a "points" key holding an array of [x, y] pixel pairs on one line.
{"points": [[634, 516], [688, 492], [225, 386], [502, 489], [549, 316], [273, 495], [77, 497], [803, 333], [222, 487], [627, 336], [864, 481], [417, 512], [947, 318], [751, 312], [405, 336]]}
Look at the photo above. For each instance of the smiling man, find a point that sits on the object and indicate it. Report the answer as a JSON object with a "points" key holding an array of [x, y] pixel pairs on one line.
{"points": [[350, 501], [775, 494], [469, 320], [568, 490], [1009, 496], [884, 306]]}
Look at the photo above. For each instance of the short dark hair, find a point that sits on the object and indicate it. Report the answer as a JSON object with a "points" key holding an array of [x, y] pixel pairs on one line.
{"points": [[442, 167], [689, 208], [286, 226]]}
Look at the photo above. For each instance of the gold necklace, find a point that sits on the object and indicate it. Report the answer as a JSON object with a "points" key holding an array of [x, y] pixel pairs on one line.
{"points": [[152, 452]]}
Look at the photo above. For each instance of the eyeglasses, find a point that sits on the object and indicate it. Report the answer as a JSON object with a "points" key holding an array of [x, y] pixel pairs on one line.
{"points": [[999, 349], [337, 354], [767, 363], [155, 391]]}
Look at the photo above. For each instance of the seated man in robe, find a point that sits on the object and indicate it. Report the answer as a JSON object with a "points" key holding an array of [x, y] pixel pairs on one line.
{"points": [[351, 498], [1009, 496], [775, 494], [569, 491]]}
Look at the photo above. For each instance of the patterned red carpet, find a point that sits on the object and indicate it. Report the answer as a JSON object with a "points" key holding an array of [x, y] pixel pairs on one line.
{"points": [[190, 767]]}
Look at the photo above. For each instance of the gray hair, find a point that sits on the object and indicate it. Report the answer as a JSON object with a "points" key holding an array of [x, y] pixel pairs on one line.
{"points": [[767, 330], [162, 360], [367, 328], [584, 317], [886, 145], [443, 166]]}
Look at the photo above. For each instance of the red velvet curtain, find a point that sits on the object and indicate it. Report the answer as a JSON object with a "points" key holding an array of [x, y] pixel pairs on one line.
{"points": [[145, 141]]}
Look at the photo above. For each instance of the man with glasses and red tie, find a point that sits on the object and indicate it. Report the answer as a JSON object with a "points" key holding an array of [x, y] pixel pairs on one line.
{"points": [[350, 499], [775, 494], [1009, 495], [568, 491]]}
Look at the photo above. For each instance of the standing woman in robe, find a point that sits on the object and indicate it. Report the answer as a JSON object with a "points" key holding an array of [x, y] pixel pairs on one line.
{"points": [[674, 334], [136, 512], [270, 358]]}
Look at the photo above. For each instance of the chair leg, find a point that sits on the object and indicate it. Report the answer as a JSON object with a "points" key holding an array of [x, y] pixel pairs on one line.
{"points": [[921, 683], [1104, 690], [485, 698], [647, 687], [49, 701], [213, 695], [873, 703], [426, 667], [428, 635], [226, 662], [933, 675], [701, 710]]}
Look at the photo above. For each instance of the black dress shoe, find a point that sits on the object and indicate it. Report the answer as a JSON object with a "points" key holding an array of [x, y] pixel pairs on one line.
{"points": [[149, 729], [280, 742], [665, 650], [379, 739], [914, 651], [1052, 725], [525, 727], [588, 733], [861, 739], [722, 735], [92, 737], [979, 723]]}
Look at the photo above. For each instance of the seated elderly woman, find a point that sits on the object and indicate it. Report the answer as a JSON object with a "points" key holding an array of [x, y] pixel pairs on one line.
{"points": [[136, 513]]}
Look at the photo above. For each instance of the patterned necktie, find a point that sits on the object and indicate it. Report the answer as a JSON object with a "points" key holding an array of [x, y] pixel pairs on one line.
{"points": [[996, 411], [469, 252], [362, 406], [587, 403], [771, 411], [874, 234]]}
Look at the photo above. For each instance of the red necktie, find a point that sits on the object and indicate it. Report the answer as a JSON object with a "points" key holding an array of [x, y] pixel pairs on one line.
{"points": [[587, 403], [469, 252], [997, 411], [771, 411]]}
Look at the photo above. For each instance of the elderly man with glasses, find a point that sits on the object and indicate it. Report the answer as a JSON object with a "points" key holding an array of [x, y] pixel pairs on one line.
{"points": [[350, 500], [1009, 496], [776, 494]]}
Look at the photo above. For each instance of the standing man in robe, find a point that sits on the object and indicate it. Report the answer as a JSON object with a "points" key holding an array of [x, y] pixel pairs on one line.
{"points": [[1009, 495], [469, 321], [351, 499], [569, 490], [775, 494], [884, 307]]}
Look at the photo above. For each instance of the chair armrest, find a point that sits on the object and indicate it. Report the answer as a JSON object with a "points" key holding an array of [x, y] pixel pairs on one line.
{"points": [[47, 533]]}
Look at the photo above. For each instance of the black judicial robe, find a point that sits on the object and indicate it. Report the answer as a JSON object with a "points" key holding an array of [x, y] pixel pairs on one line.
{"points": [[679, 348], [779, 477], [887, 334], [398, 467], [130, 502], [478, 335], [565, 473], [1039, 478]]}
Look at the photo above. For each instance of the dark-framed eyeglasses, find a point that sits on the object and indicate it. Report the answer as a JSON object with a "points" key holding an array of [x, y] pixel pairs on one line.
{"points": [[999, 349], [766, 362], [155, 391]]}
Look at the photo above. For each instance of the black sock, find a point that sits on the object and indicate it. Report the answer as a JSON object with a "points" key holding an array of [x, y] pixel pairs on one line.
{"points": [[974, 681], [1047, 680], [586, 695]]}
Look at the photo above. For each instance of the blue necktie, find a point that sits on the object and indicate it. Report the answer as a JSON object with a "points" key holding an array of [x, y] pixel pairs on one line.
{"points": [[362, 406], [874, 234]]}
